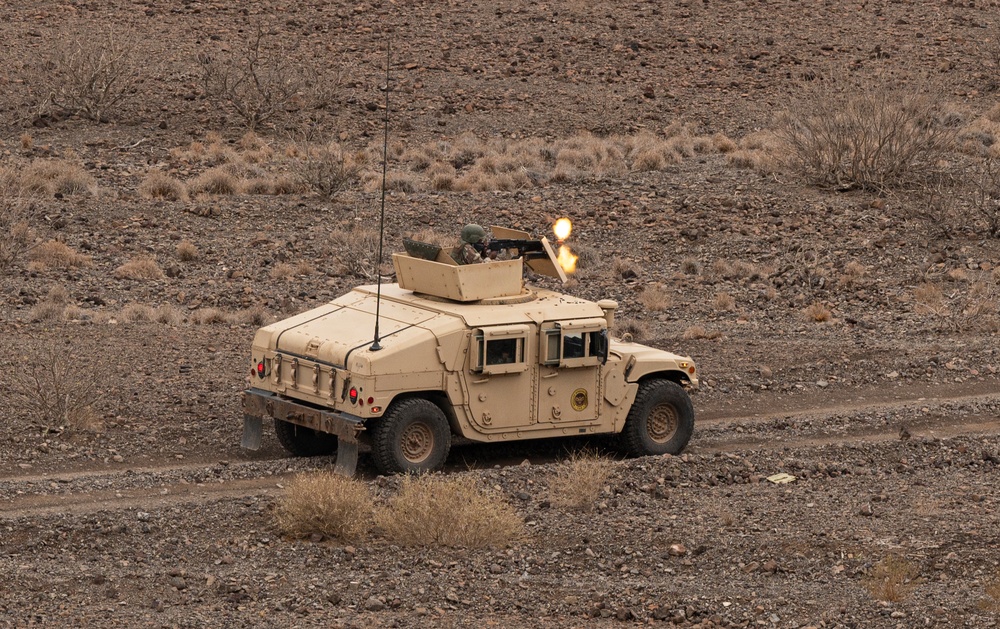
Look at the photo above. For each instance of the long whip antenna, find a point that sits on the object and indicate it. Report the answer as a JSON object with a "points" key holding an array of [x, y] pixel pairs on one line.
{"points": [[375, 346]]}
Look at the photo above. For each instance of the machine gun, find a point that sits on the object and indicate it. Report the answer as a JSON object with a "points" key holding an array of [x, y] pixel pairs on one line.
{"points": [[520, 248]]}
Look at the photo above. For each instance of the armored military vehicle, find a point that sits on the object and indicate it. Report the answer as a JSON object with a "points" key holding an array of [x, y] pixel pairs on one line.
{"points": [[463, 352]]}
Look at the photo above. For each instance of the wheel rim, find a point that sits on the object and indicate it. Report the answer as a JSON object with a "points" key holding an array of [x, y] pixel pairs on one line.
{"points": [[662, 423], [417, 442]]}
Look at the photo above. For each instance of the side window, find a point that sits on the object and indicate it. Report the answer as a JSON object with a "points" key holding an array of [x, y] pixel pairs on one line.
{"points": [[578, 343], [499, 350]]}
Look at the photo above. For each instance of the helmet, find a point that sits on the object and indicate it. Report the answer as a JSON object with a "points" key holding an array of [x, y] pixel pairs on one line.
{"points": [[472, 234]]}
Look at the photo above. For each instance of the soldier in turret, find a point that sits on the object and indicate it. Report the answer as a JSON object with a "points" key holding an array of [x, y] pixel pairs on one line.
{"points": [[473, 243]]}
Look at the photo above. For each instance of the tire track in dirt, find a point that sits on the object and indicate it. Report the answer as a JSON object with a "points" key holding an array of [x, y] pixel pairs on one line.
{"points": [[180, 492]]}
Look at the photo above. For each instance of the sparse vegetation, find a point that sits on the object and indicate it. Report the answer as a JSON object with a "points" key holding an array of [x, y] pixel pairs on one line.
{"points": [[187, 251], [159, 185], [578, 482], [817, 312], [696, 332], [892, 579], [723, 302], [54, 392], [326, 504], [53, 254], [19, 235], [447, 511], [140, 268], [655, 298], [50, 177], [326, 169]]}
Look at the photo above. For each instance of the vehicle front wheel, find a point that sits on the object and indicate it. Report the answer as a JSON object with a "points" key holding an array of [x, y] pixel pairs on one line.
{"points": [[412, 437], [302, 441], [661, 420]]}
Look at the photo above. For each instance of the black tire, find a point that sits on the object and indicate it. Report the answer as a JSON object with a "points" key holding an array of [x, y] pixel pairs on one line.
{"points": [[661, 420], [413, 437], [302, 441]]}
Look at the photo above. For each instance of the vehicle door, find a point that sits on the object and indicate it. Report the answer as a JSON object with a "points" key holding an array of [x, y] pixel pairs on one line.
{"points": [[500, 377], [571, 356]]}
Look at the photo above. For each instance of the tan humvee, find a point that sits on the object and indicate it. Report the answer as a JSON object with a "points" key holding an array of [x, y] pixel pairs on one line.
{"points": [[466, 351]]}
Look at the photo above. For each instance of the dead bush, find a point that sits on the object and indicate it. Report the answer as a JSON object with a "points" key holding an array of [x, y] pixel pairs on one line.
{"points": [[723, 302], [992, 591], [655, 298], [631, 330], [57, 390], [356, 250], [696, 332], [870, 137], [328, 504], [137, 313], [255, 316], [208, 316], [53, 254], [985, 177], [159, 185], [326, 169], [447, 511], [892, 579], [287, 270], [257, 80], [690, 266], [19, 236], [141, 268], [91, 74], [168, 315], [578, 482]]}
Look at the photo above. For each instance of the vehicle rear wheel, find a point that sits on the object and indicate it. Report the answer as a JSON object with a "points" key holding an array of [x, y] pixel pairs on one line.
{"points": [[302, 441], [661, 420], [412, 437]]}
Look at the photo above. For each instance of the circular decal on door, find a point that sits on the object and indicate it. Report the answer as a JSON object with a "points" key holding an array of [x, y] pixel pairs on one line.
{"points": [[579, 399]]}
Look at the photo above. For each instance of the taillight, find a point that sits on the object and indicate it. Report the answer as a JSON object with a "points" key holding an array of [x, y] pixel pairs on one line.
{"points": [[260, 369], [353, 394]]}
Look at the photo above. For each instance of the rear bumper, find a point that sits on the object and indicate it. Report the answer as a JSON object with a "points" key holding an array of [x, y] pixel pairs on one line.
{"points": [[259, 405]]}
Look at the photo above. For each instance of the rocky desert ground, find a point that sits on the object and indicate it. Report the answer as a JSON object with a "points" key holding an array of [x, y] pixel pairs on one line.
{"points": [[174, 174]]}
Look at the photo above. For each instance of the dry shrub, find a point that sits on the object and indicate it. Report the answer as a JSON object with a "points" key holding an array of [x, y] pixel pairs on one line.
{"points": [[324, 503], [141, 268], [631, 330], [577, 483], [891, 579], [256, 316], [853, 273], [19, 236], [356, 250], [992, 591], [49, 177], [929, 298], [257, 80], [92, 73], [53, 254], [168, 315], [217, 180], [287, 270], [721, 268], [696, 332], [56, 390], [655, 298], [817, 312], [46, 311], [137, 313], [326, 170], [870, 137], [187, 251], [159, 185], [447, 511], [690, 266], [723, 302], [623, 268], [208, 316]]}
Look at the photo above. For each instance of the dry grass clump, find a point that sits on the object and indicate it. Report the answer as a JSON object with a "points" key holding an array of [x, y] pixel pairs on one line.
{"points": [[992, 591], [760, 151], [168, 315], [49, 177], [187, 251], [623, 268], [929, 298], [447, 511], [723, 302], [356, 250], [817, 312], [141, 268], [256, 316], [853, 273], [578, 482], [327, 504], [56, 390], [325, 169], [892, 579], [53, 254], [47, 311], [137, 313], [287, 270], [216, 180], [696, 332], [690, 266], [655, 298], [159, 185], [208, 316]]}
